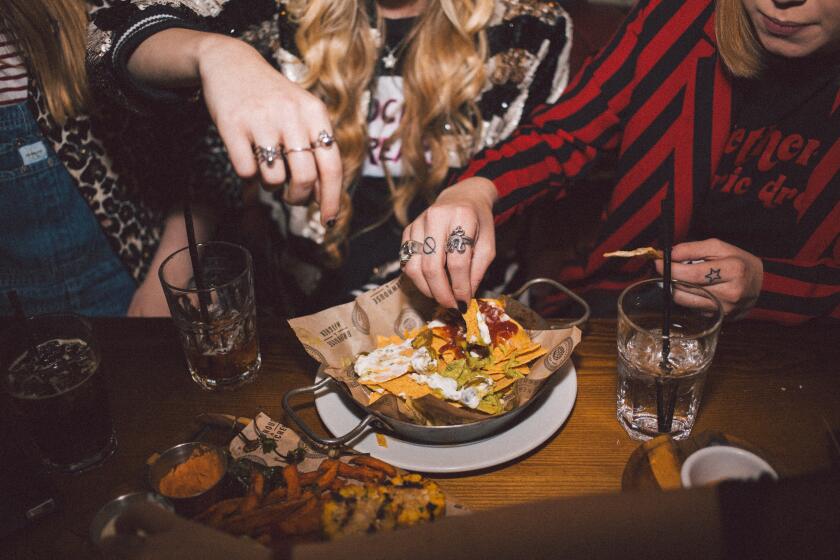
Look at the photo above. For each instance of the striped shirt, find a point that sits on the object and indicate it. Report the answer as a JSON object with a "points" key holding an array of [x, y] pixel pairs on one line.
{"points": [[659, 96], [14, 78]]}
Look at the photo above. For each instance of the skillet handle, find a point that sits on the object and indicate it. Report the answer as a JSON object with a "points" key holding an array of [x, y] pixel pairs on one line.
{"points": [[324, 442], [558, 286]]}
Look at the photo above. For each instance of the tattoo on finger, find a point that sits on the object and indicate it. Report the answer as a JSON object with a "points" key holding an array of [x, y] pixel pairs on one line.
{"points": [[713, 275], [429, 246]]}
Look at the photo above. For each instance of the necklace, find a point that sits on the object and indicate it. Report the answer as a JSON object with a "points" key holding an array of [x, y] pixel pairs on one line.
{"points": [[392, 56], [399, 28]]}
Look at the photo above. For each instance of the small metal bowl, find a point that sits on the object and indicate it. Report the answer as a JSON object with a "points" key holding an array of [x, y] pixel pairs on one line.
{"points": [[174, 456], [102, 524]]}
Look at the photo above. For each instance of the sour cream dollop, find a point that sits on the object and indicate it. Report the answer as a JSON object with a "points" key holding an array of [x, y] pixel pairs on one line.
{"points": [[392, 361], [468, 396]]}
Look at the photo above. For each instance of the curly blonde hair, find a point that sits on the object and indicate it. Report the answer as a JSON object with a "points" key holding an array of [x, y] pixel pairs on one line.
{"points": [[443, 75]]}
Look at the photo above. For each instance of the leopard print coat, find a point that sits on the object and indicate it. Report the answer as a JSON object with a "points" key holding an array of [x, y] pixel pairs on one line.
{"points": [[129, 219], [132, 170]]}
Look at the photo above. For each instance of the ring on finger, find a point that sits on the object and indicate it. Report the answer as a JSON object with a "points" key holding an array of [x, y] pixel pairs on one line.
{"points": [[408, 249], [295, 150], [268, 154], [458, 241], [324, 140]]}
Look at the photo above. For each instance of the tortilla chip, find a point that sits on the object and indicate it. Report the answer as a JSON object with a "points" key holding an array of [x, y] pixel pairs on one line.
{"points": [[520, 339], [504, 383], [526, 355], [648, 252], [405, 387], [471, 319], [414, 332], [506, 362], [501, 353], [382, 341], [374, 397]]}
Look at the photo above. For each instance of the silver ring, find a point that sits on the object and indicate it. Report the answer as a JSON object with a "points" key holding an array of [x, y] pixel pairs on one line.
{"points": [[408, 249], [293, 150], [458, 241], [324, 140], [268, 154]]}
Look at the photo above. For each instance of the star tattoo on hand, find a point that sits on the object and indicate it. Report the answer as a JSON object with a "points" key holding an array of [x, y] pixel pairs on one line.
{"points": [[714, 274], [429, 246]]}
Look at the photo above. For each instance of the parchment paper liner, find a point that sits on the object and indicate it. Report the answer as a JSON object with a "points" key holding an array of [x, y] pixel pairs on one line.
{"points": [[336, 335]]}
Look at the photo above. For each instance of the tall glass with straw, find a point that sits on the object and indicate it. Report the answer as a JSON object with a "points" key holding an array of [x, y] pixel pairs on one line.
{"points": [[661, 372], [210, 291]]}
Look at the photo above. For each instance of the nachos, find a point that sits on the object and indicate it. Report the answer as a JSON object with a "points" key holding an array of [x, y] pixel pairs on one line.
{"points": [[469, 361]]}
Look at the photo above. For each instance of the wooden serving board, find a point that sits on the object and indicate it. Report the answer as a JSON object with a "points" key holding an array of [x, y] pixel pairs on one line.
{"points": [[655, 464]]}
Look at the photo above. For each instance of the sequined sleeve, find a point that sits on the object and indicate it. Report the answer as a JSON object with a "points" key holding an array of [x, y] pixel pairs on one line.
{"points": [[117, 28]]}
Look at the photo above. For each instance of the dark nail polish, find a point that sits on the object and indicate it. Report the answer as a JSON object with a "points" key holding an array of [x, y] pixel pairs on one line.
{"points": [[462, 307], [331, 223]]}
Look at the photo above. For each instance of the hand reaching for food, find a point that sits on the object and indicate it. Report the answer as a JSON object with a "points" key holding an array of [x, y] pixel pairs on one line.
{"points": [[733, 275], [272, 128], [447, 249]]}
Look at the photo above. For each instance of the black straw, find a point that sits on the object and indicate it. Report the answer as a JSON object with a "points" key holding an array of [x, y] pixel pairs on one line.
{"points": [[20, 315], [665, 414], [198, 269]]}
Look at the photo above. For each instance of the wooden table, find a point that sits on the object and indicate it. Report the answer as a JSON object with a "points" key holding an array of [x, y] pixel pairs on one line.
{"points": [[778, 388]]}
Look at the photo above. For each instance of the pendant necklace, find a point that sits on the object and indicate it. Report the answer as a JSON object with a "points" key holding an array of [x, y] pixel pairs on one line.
{"points": [[391, 57]]}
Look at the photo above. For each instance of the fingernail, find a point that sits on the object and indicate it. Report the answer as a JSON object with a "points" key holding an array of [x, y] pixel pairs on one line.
{"points": [[331, 223], [462, 307]]}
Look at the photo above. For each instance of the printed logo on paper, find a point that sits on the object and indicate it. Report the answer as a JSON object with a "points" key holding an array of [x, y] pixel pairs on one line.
{"points": [[408, 320], [360, 319], [335, 334], [315, 353], [558, 355]]}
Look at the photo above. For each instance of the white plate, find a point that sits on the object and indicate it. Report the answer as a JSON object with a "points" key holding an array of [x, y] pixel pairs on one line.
{"points": [[534, 428]]}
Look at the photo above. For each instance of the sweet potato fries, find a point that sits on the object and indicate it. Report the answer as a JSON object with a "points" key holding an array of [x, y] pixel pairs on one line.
{"points": [[295, 506]]}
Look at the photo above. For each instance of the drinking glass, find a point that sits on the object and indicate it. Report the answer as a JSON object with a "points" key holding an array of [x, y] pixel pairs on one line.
{"points": [[215, 317], [656, 396], [55, 382]]}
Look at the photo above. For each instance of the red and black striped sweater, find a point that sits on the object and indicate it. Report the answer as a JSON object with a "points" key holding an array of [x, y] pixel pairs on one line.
{"points": [[659, 96]]}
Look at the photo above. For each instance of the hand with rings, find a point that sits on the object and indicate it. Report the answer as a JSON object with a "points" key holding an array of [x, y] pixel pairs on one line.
{"points": [[275, 131], [733, 275], [455, 241]]}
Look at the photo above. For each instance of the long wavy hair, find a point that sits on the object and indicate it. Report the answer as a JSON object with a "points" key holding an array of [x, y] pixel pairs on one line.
{"points": [[737, 43], [51, 34], [443, 74]]}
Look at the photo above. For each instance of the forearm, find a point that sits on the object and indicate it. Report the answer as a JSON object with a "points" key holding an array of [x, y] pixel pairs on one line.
{"points": [[475, 188], [172, 58]]}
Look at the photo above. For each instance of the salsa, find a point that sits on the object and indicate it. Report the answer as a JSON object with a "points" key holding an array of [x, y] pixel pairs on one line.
{"points": [[500, 329]]}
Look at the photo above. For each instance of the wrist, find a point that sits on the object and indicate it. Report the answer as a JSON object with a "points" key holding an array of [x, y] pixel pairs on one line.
{"points": [[487, 189], [475, 189], [210, 47]]}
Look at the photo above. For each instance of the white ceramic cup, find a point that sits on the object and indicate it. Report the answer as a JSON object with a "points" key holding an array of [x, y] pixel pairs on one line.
{"points": [[722, 462]]}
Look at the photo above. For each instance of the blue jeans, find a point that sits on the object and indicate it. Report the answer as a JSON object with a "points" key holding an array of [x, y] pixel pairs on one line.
{"points": [[52, 249]]}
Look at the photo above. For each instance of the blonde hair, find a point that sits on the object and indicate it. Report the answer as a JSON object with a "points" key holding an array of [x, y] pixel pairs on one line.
{"points": [[443, 74], [52, 35], [737, 42]]}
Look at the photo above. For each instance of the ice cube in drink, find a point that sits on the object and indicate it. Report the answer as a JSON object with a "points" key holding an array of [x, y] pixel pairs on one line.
{"points": [[58, 390], [225, 353], [681, 383]]}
